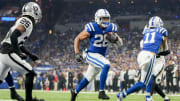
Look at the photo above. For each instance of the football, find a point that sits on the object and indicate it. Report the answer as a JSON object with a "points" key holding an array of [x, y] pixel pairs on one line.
{"points": [[112, 37]]}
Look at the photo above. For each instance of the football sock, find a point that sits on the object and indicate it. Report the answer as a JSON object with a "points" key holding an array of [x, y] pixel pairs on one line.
{"points": [[134, 88], [159, 90], [103, 76], [148, 86], [29, 85], [84, 82], [153, 85], [9, 80]]}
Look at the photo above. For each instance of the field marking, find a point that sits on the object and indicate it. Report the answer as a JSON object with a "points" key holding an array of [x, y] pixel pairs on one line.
{"points": [[83, 92]]}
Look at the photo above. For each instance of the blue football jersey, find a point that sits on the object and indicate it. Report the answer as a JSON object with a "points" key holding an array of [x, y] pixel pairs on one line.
{"points": [[98, 41], [153, 38]]}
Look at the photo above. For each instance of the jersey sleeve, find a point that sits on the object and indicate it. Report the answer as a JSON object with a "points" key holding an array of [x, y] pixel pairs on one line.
{"points": [[24, 21], [163, 31], [113, 27], [89, 28]]}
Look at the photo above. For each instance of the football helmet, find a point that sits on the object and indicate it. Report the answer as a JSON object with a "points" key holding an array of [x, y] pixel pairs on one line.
{"points": [[99, 15], [155, 22], [32, 9]]}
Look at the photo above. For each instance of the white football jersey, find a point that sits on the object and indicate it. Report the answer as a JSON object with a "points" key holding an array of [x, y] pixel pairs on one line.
{"points": [[28, 25]]}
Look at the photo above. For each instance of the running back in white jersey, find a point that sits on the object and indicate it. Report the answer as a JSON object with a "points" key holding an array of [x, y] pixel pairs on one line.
{"points": [[28, 25]]}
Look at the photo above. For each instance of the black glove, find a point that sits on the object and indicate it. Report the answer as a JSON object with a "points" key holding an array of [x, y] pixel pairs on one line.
{"points": [[34, 57], [164, 53], [22, 56], [79, 57]]}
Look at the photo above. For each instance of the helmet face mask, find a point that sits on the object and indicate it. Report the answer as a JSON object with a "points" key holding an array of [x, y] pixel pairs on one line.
{"points": [[155, 22], [32, 9], [102, 17]]}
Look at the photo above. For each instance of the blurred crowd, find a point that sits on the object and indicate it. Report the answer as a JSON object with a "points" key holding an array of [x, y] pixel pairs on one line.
{"points": [[56, 47]]}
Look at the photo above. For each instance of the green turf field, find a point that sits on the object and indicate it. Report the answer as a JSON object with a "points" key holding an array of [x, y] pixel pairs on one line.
{"points": [[84, 96]]}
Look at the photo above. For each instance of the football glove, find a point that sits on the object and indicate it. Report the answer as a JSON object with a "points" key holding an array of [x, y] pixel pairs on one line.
{"points": [[34, 57], [78, 57]]}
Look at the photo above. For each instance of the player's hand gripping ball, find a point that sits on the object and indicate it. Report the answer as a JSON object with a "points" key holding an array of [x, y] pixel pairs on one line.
{"points": [[112, 37]]}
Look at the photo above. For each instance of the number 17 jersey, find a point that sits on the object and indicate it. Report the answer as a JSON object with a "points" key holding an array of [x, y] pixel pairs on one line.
{"points": [[98, 42], [153, 38]]}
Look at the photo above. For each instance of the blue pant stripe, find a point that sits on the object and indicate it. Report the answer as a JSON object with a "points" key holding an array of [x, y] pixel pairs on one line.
{"points": [[97, 61], [94, 62], [148, 75], [148, 71]]}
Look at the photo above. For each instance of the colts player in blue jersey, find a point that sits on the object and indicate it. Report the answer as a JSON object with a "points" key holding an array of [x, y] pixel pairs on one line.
{"points": [[154, 37], [99, 33]]}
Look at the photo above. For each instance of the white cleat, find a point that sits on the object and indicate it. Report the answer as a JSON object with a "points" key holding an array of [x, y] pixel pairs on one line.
{"points": [[119, 97], [149, 99], [166, 99]]}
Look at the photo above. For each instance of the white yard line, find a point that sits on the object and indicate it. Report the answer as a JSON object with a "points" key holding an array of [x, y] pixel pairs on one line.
{"points": [[41, 91]]}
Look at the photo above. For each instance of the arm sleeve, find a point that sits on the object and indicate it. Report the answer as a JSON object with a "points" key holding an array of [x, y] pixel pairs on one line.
{"points": [[14, 40]]}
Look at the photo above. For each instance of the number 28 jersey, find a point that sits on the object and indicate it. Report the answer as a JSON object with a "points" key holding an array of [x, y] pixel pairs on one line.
{"points": [[27, 24], [153, 38], [98, 41]]}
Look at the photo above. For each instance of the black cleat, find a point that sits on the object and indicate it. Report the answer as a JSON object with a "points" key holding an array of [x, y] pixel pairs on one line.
{"points": [[73, 95], [15, 95], [102, 95], [35, 99]]}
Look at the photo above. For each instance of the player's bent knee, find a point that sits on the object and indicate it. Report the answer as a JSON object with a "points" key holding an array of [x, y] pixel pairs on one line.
{"points": [[89, 78]]}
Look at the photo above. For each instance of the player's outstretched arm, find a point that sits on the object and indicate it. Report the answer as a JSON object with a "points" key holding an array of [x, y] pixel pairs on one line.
{"points": [[164, 44], [82, 36]]}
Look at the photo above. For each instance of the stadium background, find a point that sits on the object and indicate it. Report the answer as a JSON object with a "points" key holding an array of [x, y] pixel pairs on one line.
{"points": [[52, 39]]}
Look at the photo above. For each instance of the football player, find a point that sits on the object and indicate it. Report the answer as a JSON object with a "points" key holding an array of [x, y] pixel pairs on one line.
{"points": [[13, 52], [99, 33], [154, 37], [158, 69]]}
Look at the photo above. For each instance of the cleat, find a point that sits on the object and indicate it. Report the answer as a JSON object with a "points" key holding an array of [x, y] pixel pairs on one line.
{"points": [[15, 95], [166, 99], [103, 96], [35, 99], [149, 99], [119, 97], [73, 95]]}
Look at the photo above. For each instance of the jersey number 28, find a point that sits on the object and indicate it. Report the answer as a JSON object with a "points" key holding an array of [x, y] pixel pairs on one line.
{"points": [[102, 41]]}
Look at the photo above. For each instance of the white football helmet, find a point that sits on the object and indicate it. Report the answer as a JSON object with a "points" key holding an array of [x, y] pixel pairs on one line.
{"points": [[32, 9], [100, 13], [155, 22]]}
